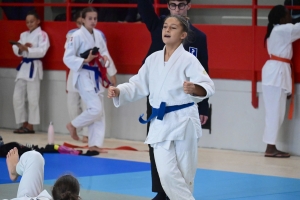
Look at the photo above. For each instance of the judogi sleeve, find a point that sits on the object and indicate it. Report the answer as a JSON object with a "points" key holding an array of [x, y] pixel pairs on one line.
{"points": [[68, 36], [198, 75], [42, 48], [203, 106], [295, 34], [70, 58], [137, 87], [16, 48], [111, 70]]}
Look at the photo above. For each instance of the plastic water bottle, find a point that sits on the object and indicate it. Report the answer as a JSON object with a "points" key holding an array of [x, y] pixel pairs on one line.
{"points": [[66, 150], [51, 133]]}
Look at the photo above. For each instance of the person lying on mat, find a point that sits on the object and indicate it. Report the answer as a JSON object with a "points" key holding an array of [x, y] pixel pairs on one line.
{"points": [[31, 167]]}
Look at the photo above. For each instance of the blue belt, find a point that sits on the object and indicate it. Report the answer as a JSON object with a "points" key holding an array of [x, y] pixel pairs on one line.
{"points": [[162, 110], [96, 72], [28, 60]]}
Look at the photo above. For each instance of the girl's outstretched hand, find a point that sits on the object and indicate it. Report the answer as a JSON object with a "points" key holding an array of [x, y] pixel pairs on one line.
{"points": [[113, 92]]}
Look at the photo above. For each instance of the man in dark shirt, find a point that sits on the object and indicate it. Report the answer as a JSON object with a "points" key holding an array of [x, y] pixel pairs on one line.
{"points": [[197, 45]]}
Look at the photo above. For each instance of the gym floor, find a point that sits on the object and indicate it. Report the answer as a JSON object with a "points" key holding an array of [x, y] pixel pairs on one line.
{"points": [[125, 175]]}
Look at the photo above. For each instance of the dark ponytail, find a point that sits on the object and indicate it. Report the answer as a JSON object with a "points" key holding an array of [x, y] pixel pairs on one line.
{"points": [[276, 14]]}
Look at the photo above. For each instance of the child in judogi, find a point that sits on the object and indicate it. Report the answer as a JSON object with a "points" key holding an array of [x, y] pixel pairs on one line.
{"points": [[75, 103], [175, 81], [276, 75], [32, 46], [88, 79], [197, 45], [31, 167]]}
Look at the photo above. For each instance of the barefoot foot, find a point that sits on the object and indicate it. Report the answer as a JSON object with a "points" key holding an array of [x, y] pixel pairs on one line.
{"points": [[12, 160], [72, 131], [85, 139], [100, 150]]}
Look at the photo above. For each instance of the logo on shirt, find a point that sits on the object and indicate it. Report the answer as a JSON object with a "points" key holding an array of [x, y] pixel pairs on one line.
{"points": [[193, 51], [70, 42]]}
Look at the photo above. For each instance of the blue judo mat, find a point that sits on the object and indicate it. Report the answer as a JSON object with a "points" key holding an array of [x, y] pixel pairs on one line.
{"points": [[134, 178]]}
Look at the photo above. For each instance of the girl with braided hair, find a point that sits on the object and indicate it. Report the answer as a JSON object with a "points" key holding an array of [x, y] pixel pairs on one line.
{"points": [[277, 75]]}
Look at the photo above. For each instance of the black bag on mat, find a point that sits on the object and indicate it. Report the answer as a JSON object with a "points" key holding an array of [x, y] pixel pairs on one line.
{"points": [[5, 148]]}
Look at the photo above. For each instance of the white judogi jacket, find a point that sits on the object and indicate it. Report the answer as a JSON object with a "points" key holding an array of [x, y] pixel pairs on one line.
{"points": [[44, 195], [40, 45], [165, 84], [70, 87], [276, 73], [80, 41]]}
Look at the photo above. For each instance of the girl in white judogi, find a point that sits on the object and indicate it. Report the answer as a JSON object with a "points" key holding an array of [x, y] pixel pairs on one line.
{"points": [[84, 78], [32, 46], [74, 101], [276, 75], [173, 78]]}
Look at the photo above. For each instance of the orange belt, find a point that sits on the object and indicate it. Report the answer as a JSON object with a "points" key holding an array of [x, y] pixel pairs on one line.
{"points": [[291, 110]]}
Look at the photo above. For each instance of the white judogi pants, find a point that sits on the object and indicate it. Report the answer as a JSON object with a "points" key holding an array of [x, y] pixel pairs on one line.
{"points": [[93, 116], [31, 168], [275, 104], [177, 165], [31, 89], [75, 107]]}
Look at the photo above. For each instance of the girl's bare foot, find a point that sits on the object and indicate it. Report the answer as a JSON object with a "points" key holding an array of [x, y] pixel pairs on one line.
{"points": [[100, 150], [85, 139], [12, 159], [72, 131]]}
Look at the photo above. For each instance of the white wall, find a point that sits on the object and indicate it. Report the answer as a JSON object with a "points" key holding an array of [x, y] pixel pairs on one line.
{"points": [[235, 123]]}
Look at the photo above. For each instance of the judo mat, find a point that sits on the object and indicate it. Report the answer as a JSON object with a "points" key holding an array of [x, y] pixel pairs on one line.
{"points": [[111, 179]]}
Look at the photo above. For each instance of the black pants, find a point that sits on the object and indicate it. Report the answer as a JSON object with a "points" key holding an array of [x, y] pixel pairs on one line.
{"points": [[156, 185]]}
